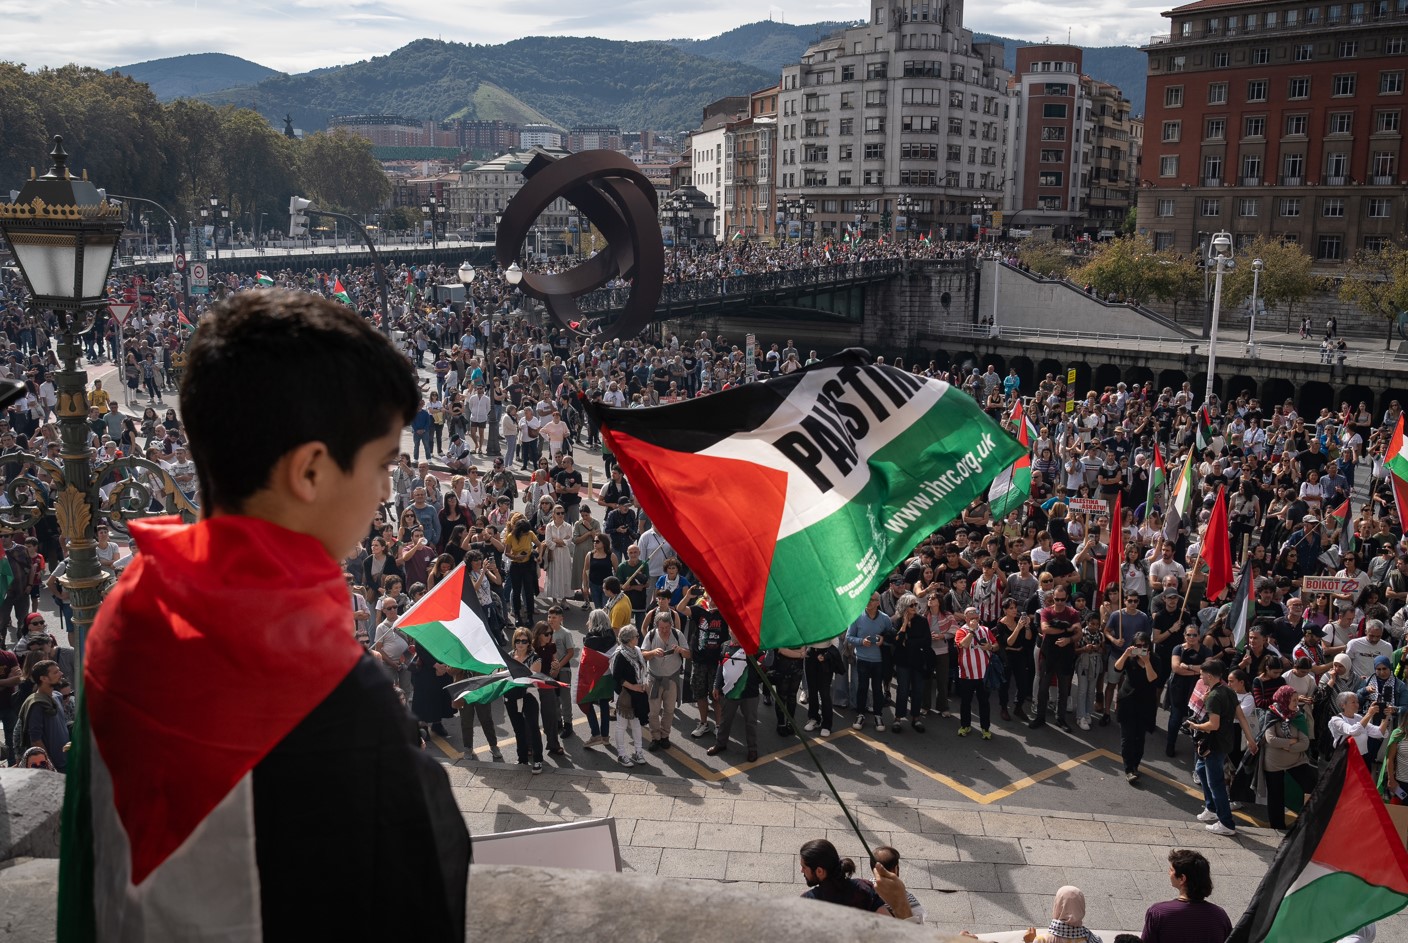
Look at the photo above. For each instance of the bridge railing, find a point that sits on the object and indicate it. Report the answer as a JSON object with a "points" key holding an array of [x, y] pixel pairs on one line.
{"points": [[730, 286]]}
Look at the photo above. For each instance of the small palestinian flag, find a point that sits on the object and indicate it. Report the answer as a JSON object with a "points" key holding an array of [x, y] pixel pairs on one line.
{"points": [[183, 320], [735, 670], [446, 624], [261, 279], [738, 235], [1012, 488], [481, 689], [1204, 437], [1396, 458], [594, 681], [181, 807], [1341, 867], [1158, 475], [1340, 516], [792, 498], [1182, 500], [340, 293], [1239, 616]]}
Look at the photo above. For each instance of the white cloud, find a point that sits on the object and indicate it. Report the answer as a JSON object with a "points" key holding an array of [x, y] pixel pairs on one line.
{"points": [[297, 35]]}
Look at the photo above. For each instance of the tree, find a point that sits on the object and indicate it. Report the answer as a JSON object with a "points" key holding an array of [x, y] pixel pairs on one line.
{"points": [[339, 172], [1044, 257], [1285, 275], [1377, 282], [1129, 269]]}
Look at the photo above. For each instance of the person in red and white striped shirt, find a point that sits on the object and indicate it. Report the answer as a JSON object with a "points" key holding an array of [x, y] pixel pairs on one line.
{"points": [[974, 645]]}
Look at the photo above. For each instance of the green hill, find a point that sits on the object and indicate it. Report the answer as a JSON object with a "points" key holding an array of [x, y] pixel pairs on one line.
{"points": [[591, 81], [767, 45], [185, 76]]}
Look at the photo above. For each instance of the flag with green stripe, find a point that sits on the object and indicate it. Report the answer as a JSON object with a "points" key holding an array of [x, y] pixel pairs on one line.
{"points": [[1011, 489], [1204, 436], [1182, 500], [264, 281], [793, 498], [1158, 477], [446, 624], [735, 672]]}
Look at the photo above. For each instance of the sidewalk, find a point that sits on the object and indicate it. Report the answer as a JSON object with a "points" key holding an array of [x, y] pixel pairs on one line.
{"points": [[991, 869]]}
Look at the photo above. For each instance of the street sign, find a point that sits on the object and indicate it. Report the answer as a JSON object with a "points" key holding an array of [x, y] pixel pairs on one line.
{"points": [[1328, 584], [121, 312], [200, 275], [200, 289], [180, 261], [1089, 505], [1071, 377], [750, 355]]}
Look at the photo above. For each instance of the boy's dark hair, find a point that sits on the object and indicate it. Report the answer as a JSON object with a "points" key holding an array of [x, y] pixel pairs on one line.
{"points": [[1193, 866], [268, 371]]}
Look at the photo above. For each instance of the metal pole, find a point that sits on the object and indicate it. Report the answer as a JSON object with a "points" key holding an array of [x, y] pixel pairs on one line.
{"points": [[490, 377], [76, 504], [996, 275], [376, 262], [1212, 334]]}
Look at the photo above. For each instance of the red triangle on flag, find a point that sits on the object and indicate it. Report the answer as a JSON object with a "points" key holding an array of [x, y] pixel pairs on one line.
{"points": [[720, 514], [1360, 838], [442, 603]]}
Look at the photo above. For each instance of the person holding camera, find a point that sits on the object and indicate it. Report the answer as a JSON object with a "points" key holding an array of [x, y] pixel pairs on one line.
{"points": [[1138, 701], [1349, 724]]}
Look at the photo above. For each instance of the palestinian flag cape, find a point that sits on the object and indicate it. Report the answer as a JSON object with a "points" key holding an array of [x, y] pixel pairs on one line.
{"points": [[340, 293], [1012, 488], [261, 279], [793, 498], [1204, 437], [1158, 476], [1239, 616], [204, 805], [1341, 867], [735, 670], [1396, 458], [515, 676], [447, 624], [1182, 499], [594, 681]]}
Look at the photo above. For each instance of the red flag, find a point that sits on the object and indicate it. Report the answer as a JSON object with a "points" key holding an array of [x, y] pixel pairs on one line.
{"points": [[1217, 548], [1114, 556], [594, 681]]}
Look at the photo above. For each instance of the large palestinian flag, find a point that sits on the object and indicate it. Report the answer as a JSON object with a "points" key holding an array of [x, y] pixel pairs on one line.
{"points": [[1341, 867], [1011, 489], [1158, 477], [1182, 500], [446, 623], [514, 676], [1204, 430], [594, 681], [794, 498], [1396, 458], [263, 779], [1240, 615]]}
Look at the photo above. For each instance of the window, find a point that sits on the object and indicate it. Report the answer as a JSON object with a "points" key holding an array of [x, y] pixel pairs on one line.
{"points": [[1312, 16], [1299, 88], [1056, 110], [848, 73], [848, 100], [1344, 84], [1219, 60], [1394, 46], [1248, 207], [1173, 96], [1251, 170], [1336, 167], [1341, 122], [1332, 207], [1212, 170], [1177, 63], [873, 178], [1348, 48], [1168, 165], [1254, 127], [875, 70], [1292, 170], [955, 152], [1050, 178], [848, 127], [1053, 134], [1290, 206], [1390, 83], [1053, 156], [1260, 55], [1296, 125], [1217, 94], [1378, 207], [1328, 248], [874, 125], [1305, 52], [1334, 14], [1164, 208], [1211, 208], [1386, 121], [1171, 131], [875, 152], [1375, 243], [1256, 90], [874, 97], [844, 151], [955, 126], [1216, 129], [1163, 240]]}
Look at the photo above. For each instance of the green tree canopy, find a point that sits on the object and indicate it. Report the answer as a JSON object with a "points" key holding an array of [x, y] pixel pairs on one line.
{"points": [[1129, 268], [1377, 283], [339, 172]]}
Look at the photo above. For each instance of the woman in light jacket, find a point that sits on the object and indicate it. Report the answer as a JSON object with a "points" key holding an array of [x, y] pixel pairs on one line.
{"points": [[1285, 753]]}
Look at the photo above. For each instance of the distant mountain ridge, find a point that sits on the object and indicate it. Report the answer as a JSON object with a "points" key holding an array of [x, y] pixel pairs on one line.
{"points": [[633, 85]]}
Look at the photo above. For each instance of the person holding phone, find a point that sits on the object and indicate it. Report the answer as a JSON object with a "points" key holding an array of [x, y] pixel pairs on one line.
{"points": [[1138, 701]]}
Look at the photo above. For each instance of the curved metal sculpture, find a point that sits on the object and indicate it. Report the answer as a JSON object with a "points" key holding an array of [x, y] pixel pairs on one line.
{"points": [[621, 202]]}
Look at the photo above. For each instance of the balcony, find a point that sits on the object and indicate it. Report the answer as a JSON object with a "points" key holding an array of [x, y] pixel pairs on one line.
{"points": [[1382, 180], [1251, 181], [1292, 181], [1212, 181], [1335, 181]]}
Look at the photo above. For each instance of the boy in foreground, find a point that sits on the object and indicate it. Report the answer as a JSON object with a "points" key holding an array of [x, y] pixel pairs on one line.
{"points": [[247, 771]]}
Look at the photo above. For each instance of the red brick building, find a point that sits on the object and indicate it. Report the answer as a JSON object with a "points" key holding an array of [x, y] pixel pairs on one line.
{"points": [[1277, 118]]}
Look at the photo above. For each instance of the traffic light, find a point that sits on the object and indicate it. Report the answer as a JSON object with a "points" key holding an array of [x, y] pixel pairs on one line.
{"points": [[297, 221], [885, 221]]}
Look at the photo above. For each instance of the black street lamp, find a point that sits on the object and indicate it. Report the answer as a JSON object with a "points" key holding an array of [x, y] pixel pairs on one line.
{"points": [[907, 206], [983, 205], [467, 275], [64, 234], [434, 210]]}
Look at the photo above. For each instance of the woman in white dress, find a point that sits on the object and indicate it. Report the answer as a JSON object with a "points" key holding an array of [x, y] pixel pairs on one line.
{"points": [[557, 551]]}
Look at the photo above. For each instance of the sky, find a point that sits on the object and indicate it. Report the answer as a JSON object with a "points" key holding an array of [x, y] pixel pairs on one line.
{"points": [[298, 35]]}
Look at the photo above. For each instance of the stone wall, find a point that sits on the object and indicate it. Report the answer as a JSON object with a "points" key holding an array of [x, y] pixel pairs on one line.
{"points": [[1024, 300]]}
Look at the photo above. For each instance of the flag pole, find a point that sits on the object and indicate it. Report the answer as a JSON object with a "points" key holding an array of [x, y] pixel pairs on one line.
{"points": [[806, 744]]}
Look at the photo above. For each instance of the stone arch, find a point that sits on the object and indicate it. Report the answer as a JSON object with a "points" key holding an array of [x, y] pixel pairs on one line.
{"points": [[998, 361], [1137, 376], [1274, 392], [1240, 383], [1048, 365], [1355, 393], [1026, 372], [1084, 378], [941, 358], [1171, 379], [1387, 396], [1108, 374], [1313, 396]]}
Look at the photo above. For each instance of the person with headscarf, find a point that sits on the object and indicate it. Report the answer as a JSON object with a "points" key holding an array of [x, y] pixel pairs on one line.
{"points": [[1067, 918], [1286, 754], [632, 704]]}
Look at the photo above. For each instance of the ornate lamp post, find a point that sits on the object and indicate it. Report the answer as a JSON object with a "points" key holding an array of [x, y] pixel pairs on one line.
{"points": [[908, 206], [64, 235], [1220, 260], [982, 205], [467, 275]]}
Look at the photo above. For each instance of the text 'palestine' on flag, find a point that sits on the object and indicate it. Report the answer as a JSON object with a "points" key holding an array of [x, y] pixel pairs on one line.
{"points": [[1011, 489], [1341, 867], [446, 624], [794, 497]]}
